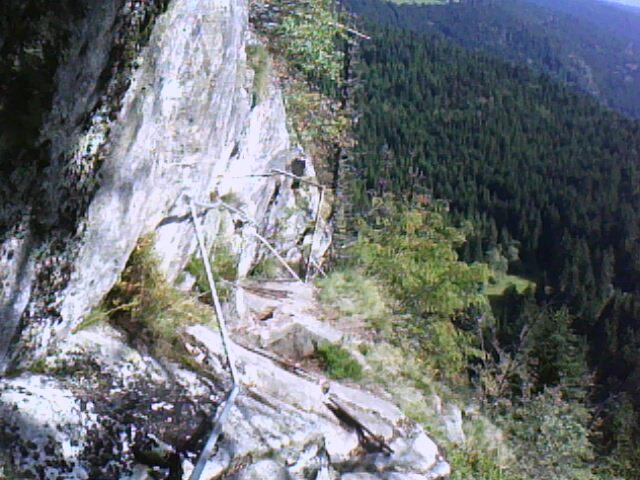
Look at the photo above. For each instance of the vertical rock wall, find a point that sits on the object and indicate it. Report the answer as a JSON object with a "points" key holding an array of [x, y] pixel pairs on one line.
{"points": [[129, 145]]}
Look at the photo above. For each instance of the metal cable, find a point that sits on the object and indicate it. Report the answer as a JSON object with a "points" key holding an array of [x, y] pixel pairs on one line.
{"points": [[220, 419], [266, 243]]}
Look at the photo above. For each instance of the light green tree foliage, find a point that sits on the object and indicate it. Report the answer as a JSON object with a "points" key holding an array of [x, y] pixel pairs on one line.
{"points": [[412, 250], [552, 436], [308, 35], [437, 302], [306, 39]]}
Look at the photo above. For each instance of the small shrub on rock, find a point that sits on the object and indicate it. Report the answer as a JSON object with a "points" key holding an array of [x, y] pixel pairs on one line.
{"points": [[260, 62], [338, 362], [146, 307], [224, 268]]}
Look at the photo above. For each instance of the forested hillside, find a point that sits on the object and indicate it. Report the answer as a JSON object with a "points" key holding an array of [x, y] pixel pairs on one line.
{"points": [[588, 44], [550, 181]]}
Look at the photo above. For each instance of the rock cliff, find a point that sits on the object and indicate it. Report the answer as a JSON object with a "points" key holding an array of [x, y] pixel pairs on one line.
{"points": [[184, 126], [153, 107]]}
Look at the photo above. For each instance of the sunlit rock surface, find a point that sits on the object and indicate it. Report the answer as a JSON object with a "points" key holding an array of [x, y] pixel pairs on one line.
{"points": [[183, 128], [130, 143], [98, 396]]}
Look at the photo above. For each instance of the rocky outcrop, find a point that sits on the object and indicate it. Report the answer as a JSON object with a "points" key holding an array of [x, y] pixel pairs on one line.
{"points": [[98, 396], [284, 320], [138, 129], [184, 126], [102, 410]]}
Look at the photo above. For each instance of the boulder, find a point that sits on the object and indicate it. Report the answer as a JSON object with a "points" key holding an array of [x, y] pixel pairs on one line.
{"points": [[452, 420], [287, 325], [412, 454], [264, 470]]}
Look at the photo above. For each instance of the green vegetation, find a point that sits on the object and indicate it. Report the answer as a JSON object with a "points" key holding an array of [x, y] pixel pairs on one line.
{"points": [[149, 310], [39, 366], [533, 391], [499, 285], [583, 43], [260, 61], [486, 452], [412, 252], [548, 181], [552, 435], [353, 294], [338, 362], [230, 198], [307, 41], [528, 372], [442, 338], [307, 35], [316, 120], [224, 266], [469, 464], [267, 268]]}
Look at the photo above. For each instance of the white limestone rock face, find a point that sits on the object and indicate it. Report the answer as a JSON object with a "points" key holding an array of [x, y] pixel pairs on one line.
{"points": [[179, 119], [16, 275], [104, 410], [296, 413], [182, 126], [25, 255], [417, 454], [286, 326], [264, 470], [101, 408]]}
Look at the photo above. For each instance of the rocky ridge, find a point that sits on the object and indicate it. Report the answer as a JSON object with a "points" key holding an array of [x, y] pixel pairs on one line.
{"points": [[102, 409], [86, 403]]}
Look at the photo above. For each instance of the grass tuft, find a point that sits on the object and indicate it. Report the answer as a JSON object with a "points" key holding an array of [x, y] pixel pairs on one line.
{"points": [[338, 362], [146, 307], [266, 268], [224, 268], [499, 285], [260, 62], [353, 294]]}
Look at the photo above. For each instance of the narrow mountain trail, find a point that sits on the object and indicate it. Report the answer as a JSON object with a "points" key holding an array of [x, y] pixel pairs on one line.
{"points": [[275, 339]]}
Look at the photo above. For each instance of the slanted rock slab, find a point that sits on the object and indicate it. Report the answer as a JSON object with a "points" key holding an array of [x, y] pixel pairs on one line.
{"points": [[264, 470]]}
